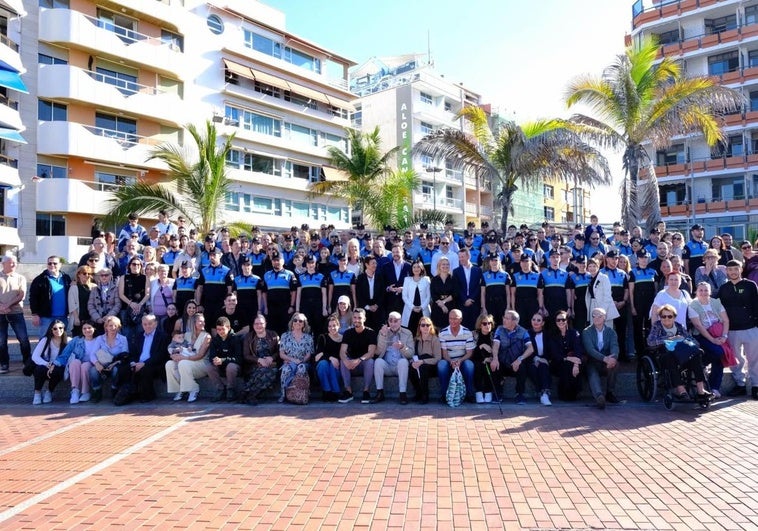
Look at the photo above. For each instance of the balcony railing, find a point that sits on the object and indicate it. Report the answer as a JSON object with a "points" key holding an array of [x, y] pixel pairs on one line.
{"points": [[9, 43], [128, 35], [7, 221], [126, 139], [124, 86], [4, 100]]}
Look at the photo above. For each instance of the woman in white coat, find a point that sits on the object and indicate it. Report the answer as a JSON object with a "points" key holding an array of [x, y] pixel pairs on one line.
{"points": [[416, 296], [599, 292]]}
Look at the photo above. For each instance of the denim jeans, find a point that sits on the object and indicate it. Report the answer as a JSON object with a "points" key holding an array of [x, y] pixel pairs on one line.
{"points": [[16, 320], [444, 370], [328, 376]]}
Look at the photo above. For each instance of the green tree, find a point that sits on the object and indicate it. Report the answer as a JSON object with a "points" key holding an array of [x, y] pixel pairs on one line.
{"points": [[511, 154], [196, 186], [639, 99]]}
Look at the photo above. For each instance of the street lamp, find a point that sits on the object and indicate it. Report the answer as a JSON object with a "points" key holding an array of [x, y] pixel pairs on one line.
{"points": [[434, 170]]}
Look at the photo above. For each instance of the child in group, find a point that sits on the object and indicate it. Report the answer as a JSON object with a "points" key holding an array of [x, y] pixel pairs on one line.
{"points": [[179, 345]]}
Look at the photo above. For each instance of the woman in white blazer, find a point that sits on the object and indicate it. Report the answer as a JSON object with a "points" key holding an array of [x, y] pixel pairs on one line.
{"points": [[599, 292], [415, 306]]}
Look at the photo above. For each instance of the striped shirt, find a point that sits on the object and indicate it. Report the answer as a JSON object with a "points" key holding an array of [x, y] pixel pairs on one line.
{"points": [[457, 345]]}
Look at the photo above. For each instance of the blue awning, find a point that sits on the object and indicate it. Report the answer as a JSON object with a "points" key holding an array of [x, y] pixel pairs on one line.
{"points": [[12, 134], [12, 80]]}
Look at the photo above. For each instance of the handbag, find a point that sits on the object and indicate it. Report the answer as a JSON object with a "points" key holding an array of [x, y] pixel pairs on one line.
{"points": [[684, 350], [29, 366], [728, 359], [104, 357], [299, 391], [456, 389]]}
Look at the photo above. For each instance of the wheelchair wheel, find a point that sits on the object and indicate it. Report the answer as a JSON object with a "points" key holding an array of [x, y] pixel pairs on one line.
{"points": [[647, 378], [668, 401]]}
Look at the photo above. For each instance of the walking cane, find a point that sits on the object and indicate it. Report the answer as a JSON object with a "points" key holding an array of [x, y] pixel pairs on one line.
{"points": [[494, 391]]}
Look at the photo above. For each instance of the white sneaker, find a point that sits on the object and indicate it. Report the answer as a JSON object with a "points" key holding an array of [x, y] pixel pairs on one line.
{"points": [[479, 397], [192, 396], [178, 396], [37, 399], [545, 400], [487, 398], [47, 397], [74, 396], [84, 397]]}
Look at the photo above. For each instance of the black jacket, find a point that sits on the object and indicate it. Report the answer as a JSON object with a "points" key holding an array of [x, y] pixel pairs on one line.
{"points": [[40, 294]]}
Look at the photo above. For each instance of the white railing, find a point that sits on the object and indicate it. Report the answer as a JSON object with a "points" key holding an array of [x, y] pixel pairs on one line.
{"points": [[123, 85]]}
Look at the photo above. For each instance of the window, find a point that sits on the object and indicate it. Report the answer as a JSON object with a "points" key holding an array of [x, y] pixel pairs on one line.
{"points": [[426, 98], [234, 158], [548, 191], [49, 171], [356, 118], [549, 213], [754, 101], [50, 225], [673, 194], [449, 193], [300, 171], [215, 24], [451, 172], [735, 146], [124, 27], [124, 129], [270, 47], [673, 155], [301, 134], [328, 139], [268, 90], [232, 201], [44, 59], [723, 63], [448, 106], [752, 58], [125, 83], [751, 15], [262, 164], [297, 99], [427, 128], [50, 111], [427, 189], [717, 25], [254, 122], [728, 188], [668, 37], [339, 112], [111, 181], [302, 59], [262, 44], [62, 4], [264, 205], [173, 40]]}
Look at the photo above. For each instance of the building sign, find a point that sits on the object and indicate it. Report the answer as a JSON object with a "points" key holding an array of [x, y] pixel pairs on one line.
{"points": [[404, 127]]}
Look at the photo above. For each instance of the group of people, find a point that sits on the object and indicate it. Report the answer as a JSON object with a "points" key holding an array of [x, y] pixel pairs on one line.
{"points": [[532, 304]]}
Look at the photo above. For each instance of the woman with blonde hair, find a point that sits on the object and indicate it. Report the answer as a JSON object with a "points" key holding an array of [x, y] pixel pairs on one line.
{"points": [[78, 299], [428, 352]]}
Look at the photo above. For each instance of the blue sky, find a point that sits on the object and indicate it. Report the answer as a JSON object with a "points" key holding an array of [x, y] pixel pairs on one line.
{"points": [[519, 55]]}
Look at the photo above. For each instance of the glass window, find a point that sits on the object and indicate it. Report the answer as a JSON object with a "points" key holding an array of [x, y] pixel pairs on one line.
{"points": [[49, 171], [301, 210], [50, 225], [751, 15], [727, 189], [117, 127], [173, 40], [262, 204], [262, 44], [123, 26], [302, 59], [262, 164], [215, 24], [44, 59], [717, 25], [673, 155], [426, 98], [548, 191], [549, 213], [301, 171], [297, 99], [50, 111], [723, 63], [752, 58], [302, 135], [668, 37], [268, 90], [426, 128], [736, 147], [61, 4], [232, 201], [112, 181], [125, 83]]}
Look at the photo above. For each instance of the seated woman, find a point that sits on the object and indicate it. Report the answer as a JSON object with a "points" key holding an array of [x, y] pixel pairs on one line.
{"points": [[666, 328], [711, 324], [484, 333], [113, 344], [184, 368], [260, 350], [77, 355], [566, 350], [428, 352], [538, 368], [48, 348], [295, 350], [328, 360]]}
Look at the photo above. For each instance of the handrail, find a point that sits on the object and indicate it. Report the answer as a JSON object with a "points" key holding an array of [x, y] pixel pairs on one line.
{"points": [[127, 35], [7, 221], [7, 161], [9, 43], [122, 84], [120, 136]]}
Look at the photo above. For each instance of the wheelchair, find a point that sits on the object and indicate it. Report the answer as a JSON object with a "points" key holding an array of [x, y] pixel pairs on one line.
{"points": [[652, 379]]}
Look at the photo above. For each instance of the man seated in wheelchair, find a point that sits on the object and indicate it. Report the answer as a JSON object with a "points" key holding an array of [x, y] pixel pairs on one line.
{"points": [[677, 351]]}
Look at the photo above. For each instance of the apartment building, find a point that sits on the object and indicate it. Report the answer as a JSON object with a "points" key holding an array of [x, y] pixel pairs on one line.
{"points": [[717, 187], [11, 126], [408, 99], [565, 205], [112, 79]]}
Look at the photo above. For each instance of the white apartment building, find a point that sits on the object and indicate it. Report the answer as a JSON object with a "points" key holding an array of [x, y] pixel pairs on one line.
{"points": [[11, 125], [719, 38], [407, 99], [109, 80]]}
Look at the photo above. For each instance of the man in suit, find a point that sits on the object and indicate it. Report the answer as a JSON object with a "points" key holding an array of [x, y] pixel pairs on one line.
{"points": [[602, 348], [369, 293], [468, 279], [148, 355], [394, 274]]}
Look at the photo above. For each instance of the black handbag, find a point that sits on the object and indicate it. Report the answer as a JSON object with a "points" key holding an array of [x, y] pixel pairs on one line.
{"points": [[685, 350], [29, 367]]}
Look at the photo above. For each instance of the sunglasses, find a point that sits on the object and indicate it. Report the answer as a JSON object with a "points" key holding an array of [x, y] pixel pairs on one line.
{"points": [[57, 328], [298, 320], [667, 316], [560, 320], [92, 260], [425, 325], [487, 323], [135, 264], [746, 247]]}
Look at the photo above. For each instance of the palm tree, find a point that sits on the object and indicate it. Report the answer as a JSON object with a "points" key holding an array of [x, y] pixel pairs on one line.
{"points": [[196, 187], [639, 99], [364, 164], [511, 154]]}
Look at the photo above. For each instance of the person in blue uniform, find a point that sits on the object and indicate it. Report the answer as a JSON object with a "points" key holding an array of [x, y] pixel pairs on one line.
{"points": [[642, 291], [495, 289], [311, 298], [280, 291], [526, 292], [556, 287], [213, 285], [580, 279], [248, 287]]}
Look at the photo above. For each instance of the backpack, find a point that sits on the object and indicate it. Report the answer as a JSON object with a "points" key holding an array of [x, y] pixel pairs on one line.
{"points": [[299, 391]]}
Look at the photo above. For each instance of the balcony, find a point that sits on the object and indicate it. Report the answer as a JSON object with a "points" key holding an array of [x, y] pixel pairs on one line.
{"points": [[450, 203], [78, 31], [471, 209], [9, 172], [665, 9], [65, 82], [9, 54], [452, 176], [95, 143], [165, 13], [265, 179], [15, 6], [70, 246], [9, 232], [9, 115], [73, 196]]}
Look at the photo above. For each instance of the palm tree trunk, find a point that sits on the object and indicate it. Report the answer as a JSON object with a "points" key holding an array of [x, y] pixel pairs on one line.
{"points": [[506, 203]]}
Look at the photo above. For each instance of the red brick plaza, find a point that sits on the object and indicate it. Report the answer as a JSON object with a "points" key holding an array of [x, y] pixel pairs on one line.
{"points": [[172, 466]]}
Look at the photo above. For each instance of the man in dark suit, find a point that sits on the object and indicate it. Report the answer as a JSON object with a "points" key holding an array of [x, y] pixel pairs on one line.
{"points": [[602, 348], [468, 280], [370, 292], [394, 274], [148, 355]]}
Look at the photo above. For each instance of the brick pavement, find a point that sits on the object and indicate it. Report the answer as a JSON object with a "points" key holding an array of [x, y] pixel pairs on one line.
{"points": [[204, 466]]}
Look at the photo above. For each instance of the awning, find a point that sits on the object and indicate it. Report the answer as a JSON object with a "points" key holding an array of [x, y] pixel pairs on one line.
{"points": [[333, 174], [309, 93], [268, 79], [236, 68], [12, 134], [12, 80]]}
